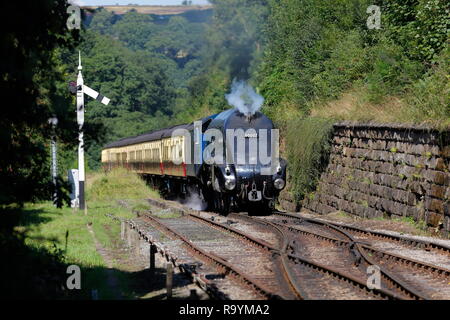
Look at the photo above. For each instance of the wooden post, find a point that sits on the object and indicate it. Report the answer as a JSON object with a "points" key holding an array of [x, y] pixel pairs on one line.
{"points": [[152, 259], [169, 280], [122, 230], [137, 243], [129, 234]]}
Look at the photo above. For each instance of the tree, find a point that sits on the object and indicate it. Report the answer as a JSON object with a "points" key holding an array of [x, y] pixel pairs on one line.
{"points": [[32, 83]]}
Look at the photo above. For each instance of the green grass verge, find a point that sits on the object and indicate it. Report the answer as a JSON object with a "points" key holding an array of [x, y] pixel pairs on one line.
{"points": [[117, 184], [44, 236]]}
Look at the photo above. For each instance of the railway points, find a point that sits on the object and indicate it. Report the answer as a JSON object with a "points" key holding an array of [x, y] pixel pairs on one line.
{"points": [[284, 256]]}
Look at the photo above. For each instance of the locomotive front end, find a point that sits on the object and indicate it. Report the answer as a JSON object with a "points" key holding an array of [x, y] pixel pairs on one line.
{"points": [[252, 174]]}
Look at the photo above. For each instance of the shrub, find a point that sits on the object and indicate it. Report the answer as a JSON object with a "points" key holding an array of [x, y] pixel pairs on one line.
{"points": [[392, 71], [347, 63], [308, 155], [429, 97]]}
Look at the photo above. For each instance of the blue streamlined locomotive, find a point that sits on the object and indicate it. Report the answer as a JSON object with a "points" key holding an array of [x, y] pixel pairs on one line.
{"points": [[229, 159]]}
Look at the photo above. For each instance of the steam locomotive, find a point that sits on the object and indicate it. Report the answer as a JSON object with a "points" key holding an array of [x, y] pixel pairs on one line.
{"points": [[229, 160]]}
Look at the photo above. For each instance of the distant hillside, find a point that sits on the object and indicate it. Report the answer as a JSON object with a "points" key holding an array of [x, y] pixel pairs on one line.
{"points": [[158, 10]]}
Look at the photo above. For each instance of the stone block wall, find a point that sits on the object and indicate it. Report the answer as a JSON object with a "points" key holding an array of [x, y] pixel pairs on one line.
{"points": [[386, 171]]}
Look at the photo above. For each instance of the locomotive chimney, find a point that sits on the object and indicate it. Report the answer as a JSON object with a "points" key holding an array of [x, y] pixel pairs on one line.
{"points": [[248, 114], [248, 117]]}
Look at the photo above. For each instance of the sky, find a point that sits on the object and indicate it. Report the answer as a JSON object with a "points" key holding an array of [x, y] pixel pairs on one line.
{"points": [[139, 2]]}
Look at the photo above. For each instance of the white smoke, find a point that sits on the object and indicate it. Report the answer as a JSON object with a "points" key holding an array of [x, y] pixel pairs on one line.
{"points": [[193, 200], [244, 98]]}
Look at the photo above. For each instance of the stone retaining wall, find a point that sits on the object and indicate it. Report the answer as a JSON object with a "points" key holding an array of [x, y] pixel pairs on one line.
{"points": [[386, 171]]}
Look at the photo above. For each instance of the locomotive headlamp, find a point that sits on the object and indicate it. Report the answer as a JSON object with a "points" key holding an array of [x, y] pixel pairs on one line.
{"points": [[230, 183], [279, 169], [227, 171], [279, 183]]}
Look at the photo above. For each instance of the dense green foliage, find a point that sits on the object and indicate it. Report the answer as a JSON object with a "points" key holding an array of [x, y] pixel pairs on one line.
{"points": [[32, 89], [318, 49], [234, 48], [158, 71]]}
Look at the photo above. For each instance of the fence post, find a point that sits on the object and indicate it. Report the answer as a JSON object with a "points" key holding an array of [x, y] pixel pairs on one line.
{"points": [[169, 280], [152, 259], [129, 234], [137, 243]]}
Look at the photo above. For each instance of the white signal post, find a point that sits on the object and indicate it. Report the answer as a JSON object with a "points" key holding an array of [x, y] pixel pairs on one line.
{"points": [[81, 91], [54, 121]]}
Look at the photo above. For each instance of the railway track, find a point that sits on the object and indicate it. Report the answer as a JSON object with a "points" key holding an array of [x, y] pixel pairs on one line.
{"points": [[290, 246], [279, 252], [231, 259], [399, 273], [324, 281], [393, 286], [221, 264], [377, 235]]}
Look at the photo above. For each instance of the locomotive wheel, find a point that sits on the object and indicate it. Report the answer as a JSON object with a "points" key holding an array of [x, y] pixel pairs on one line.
{"points": [[222, 203]]}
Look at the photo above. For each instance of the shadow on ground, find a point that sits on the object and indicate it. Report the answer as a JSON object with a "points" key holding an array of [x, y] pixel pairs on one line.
{"points": [[33, 273]]}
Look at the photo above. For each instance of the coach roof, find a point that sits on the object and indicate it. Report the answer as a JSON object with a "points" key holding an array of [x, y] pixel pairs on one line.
{"points": [[152, 135]]}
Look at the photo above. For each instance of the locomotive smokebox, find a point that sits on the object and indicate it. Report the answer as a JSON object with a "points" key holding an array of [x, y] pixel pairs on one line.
{"points": [[248, 115]]}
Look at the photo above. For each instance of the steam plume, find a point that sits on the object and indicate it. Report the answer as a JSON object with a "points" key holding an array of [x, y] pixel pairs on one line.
{"points": [[193, 200], [244, 98]]}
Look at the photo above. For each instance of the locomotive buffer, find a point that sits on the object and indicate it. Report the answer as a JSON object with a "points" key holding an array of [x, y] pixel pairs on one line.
{"points": [[81, 90]]}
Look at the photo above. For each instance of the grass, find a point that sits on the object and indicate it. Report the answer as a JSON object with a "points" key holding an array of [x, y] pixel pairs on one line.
{"points": [[49, 236], [64, 231], [308, 156], [416, 227], [419, 225], [117, 184]]}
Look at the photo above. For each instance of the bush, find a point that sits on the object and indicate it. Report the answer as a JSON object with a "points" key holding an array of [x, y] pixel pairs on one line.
{"points": [[347, 63], [307, 156], [392, 71], [429, 97]]}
